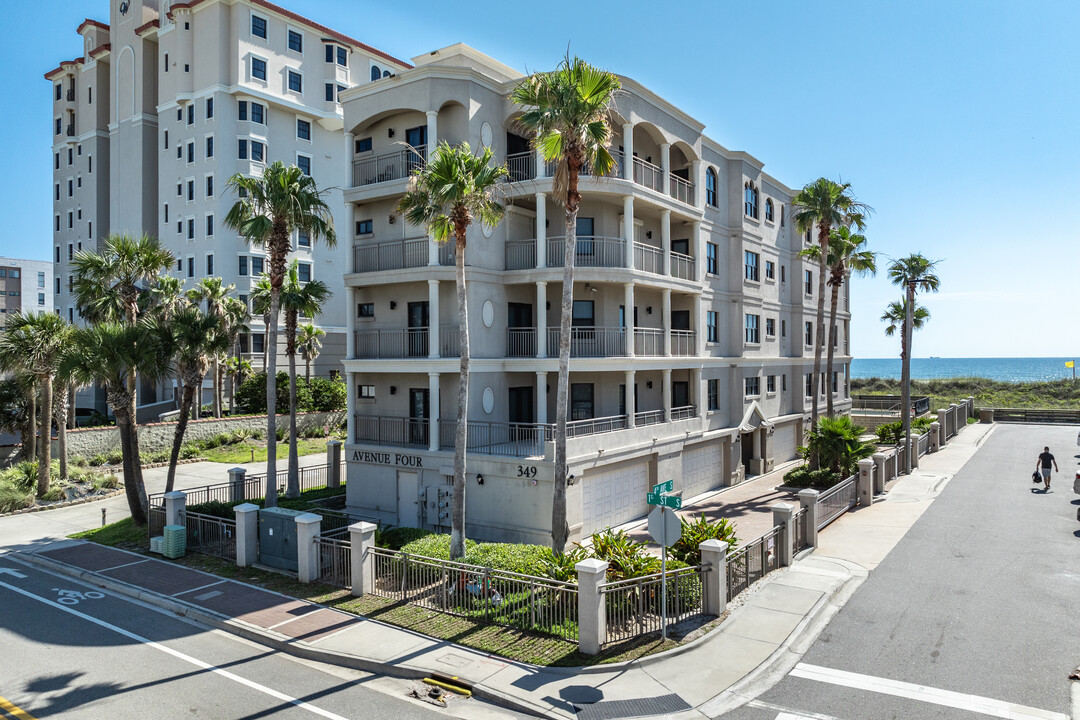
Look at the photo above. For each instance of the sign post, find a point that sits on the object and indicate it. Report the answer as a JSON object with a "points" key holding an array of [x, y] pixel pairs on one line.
{"points": [[666, 529]]}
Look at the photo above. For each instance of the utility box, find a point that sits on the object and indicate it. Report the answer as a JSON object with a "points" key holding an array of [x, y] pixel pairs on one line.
{"points": [[277, 538]]}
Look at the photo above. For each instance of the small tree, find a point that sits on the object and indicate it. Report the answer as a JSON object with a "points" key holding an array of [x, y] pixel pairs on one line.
{"points": [[310, 344], [836, 444]]}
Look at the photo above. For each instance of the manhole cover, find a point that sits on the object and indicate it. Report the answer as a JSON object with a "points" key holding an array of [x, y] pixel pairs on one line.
{"points": [[640, 707]]}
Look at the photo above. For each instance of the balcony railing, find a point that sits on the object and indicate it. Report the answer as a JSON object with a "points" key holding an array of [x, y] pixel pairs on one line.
{"points": [[490, 438], [649, 417], [649, 175], [682, 266], [682, 190], [70, 130], [391, 166], [70, 95], [648, 342], [390, 255], [591, 341], [592, 251], [520, 254], [521, 166], [447, 251], [405, 343], [616, 171], [683, 343], [450, 342], [683, 413], [521, 342], [648, 258], [396, 431], [594, 426]]}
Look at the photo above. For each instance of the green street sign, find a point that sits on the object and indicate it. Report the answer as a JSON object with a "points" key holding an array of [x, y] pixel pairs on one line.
{"points": [[670, 501], [654, 498], [664, 487]]}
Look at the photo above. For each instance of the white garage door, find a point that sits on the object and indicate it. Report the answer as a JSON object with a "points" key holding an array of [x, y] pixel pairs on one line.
{"points": [[784, 442], [702, 469], [612, 497]]}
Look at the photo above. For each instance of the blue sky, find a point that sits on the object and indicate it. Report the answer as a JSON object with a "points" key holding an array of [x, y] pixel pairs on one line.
{"points": [[956, 121]]}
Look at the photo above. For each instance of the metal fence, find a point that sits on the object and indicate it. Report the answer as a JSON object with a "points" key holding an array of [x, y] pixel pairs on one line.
{"points": [[836, 501], [520, 254], [648, 258], [496, 596], [226, 492], [491, 438], [633, 607], [335, 560], [311, 477], [155, 520], [923, 444], [210, 535], [798, 530], [751, 562]]}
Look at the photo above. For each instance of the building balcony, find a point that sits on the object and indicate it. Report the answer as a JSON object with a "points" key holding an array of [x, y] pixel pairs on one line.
{"points": [[599, 342], [405, 343], [69, 95], [600, 252], [388, 167], [398, 254]]}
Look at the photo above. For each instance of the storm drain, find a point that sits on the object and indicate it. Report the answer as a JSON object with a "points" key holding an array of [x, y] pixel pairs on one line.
{"points": [[640, 707]]}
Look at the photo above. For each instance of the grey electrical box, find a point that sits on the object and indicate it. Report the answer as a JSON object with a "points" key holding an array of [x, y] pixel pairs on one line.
{"points": [[277, 538]]}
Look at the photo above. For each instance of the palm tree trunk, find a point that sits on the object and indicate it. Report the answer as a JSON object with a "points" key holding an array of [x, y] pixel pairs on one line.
{"points": [[131, 488], [815, 381], [216, 389], [270, 355], [71, 407], [457, 503], [905, 372], [61, 401], [178, 435], [45, 443], [560, 531], [293, 487], [136, 457], [832, 349], [307, 371], [31, 452]]}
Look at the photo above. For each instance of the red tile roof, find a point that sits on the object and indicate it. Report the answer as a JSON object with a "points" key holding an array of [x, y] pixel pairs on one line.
{"points": [[146, 26], [54, 71], [95, 23], [100, 50]]}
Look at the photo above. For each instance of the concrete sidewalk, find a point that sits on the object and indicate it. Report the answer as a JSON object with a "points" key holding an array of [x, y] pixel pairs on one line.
{"points": [[768, 628]]}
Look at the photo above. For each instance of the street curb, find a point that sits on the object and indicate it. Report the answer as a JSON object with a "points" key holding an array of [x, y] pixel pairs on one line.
{"points": [[264, 637]]}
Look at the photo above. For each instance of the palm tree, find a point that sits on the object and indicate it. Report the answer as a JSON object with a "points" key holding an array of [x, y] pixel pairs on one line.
{"points": [[837, 443], [167, 297], [306, 300], [914, 272], [569, 115], [454, 189], [111, 353], [310, 343], [36, 343], [823, 205], [216, 295], [235, 321], [239, 369], [267, 212], [896, 316], [260, 305], [196, 338], [846, 257]]}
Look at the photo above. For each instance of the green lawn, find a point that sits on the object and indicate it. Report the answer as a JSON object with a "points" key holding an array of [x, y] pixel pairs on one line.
{"points": [[255, 450]]}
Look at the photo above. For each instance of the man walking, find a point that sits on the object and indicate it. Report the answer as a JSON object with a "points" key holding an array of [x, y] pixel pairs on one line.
{"points": [[1043, 465]]}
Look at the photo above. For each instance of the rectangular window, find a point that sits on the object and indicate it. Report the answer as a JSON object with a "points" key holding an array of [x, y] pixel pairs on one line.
{"points": [[258, 69], [367, 392], [166, 140], [71, 254], [835, 382], [57, 286], [364, 227], [71, 220], [809, 385], [57, 193], [303, 271], [209, 265], [243, 269], [808, 279], [59, 126], [56, 161], [770, 384], [191, 228], [257, 151], [363, 145], [71, 187], [59, 90], [296, 83], [752, 332], [808, 336], [243, 299], [41, 298], [712, 260], [258, 26], [191, 114], [71, 157], [210, 233], [242, 152], [303, 239], [583, 314], [258, 114], [342, 57], [329, 92], [770, 327], [256, 266], [210, 146], [209, 108], [179, 151], [191, 190], [57, 254], [783, 273], [329, 53], [191, 267], [303, 129], [41, 279], [166, 62], [752, 389], [713, 394], [190, 153], [770, 270], [241, 110], [304, 163], [365, 310], [712, 322], [258, 342], [751, 265], [783, 383], [209, 186], [166, 212], [296, 41]]}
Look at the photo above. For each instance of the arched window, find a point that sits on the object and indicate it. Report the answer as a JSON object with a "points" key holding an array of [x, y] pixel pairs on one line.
{"points": [[376, 73], [768, 209], [386, 73], [750, 200], [710, 187]]}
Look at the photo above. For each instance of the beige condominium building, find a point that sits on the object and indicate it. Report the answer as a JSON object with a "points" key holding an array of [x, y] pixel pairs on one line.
{"points": [[24, 286], [692, 319], [170, 99]]}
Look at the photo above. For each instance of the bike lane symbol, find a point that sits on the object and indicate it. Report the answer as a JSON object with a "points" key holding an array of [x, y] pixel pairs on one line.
{"points": [[72, 597]]}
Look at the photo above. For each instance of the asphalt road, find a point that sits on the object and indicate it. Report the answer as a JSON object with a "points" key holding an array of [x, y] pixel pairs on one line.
{"points": [[103, 656], [976, 608]]}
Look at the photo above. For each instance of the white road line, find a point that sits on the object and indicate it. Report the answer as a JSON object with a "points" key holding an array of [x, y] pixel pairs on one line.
{"points": [[948, 698], [787, 713], [177, 654], [184, 592], [117, 567]]}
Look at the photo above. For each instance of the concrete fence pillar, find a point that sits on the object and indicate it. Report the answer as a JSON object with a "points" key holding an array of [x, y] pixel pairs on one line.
{"points": [[781, 516], [935, 436], [864, 483], [175, 503], [808, 499], [880, 472], [943, 426], [237, 477], [308, 527], [986, 415], [362, 564], [913, 452], [592, 622], [333, 464], [714, 577], [247, 534], [970, 407]]}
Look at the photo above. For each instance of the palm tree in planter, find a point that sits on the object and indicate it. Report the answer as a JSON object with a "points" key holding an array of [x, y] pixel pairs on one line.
{"points": [[847, 256], [196, 339], [268, 211], [310, 343], [36, 344], [215, 294], [823, 205], [298, 299], [913, 273], [110, 353], [452, 191], [569, 113]]}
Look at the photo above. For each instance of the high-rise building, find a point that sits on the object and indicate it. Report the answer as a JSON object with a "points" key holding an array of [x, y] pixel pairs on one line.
{"points": [[24, 286]]}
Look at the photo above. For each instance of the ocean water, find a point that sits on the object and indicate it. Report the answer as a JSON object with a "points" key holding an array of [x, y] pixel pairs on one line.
{"points": [[1004, 369]]}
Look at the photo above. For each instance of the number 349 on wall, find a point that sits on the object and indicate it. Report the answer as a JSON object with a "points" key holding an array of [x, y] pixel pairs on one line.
{"points": [[526, 471]]}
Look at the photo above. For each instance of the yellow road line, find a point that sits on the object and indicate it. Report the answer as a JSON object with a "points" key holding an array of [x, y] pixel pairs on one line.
{"points": [[14, 711]]}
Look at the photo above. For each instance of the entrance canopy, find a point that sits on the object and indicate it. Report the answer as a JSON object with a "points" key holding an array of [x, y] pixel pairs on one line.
{"points": [[753, 419]]}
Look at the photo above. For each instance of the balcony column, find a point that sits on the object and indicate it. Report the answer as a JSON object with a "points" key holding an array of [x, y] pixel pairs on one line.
{"points": [[665, 168], [628, 231], [432, 250], [541, 165], [699, 327], [541, 230], [541, 397], [665, 242], [433, 318], [699, 252], [349, 230], [349, 165], [699, 391], [666, 320], [631, 408], [350, 322], [628, 317], [666, 392], [432, 131], [350, 407], [628, 151], [541, 319], [433, 411]]}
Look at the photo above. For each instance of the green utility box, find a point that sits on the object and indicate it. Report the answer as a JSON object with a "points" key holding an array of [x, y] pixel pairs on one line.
{"points": [[277, 538]]}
